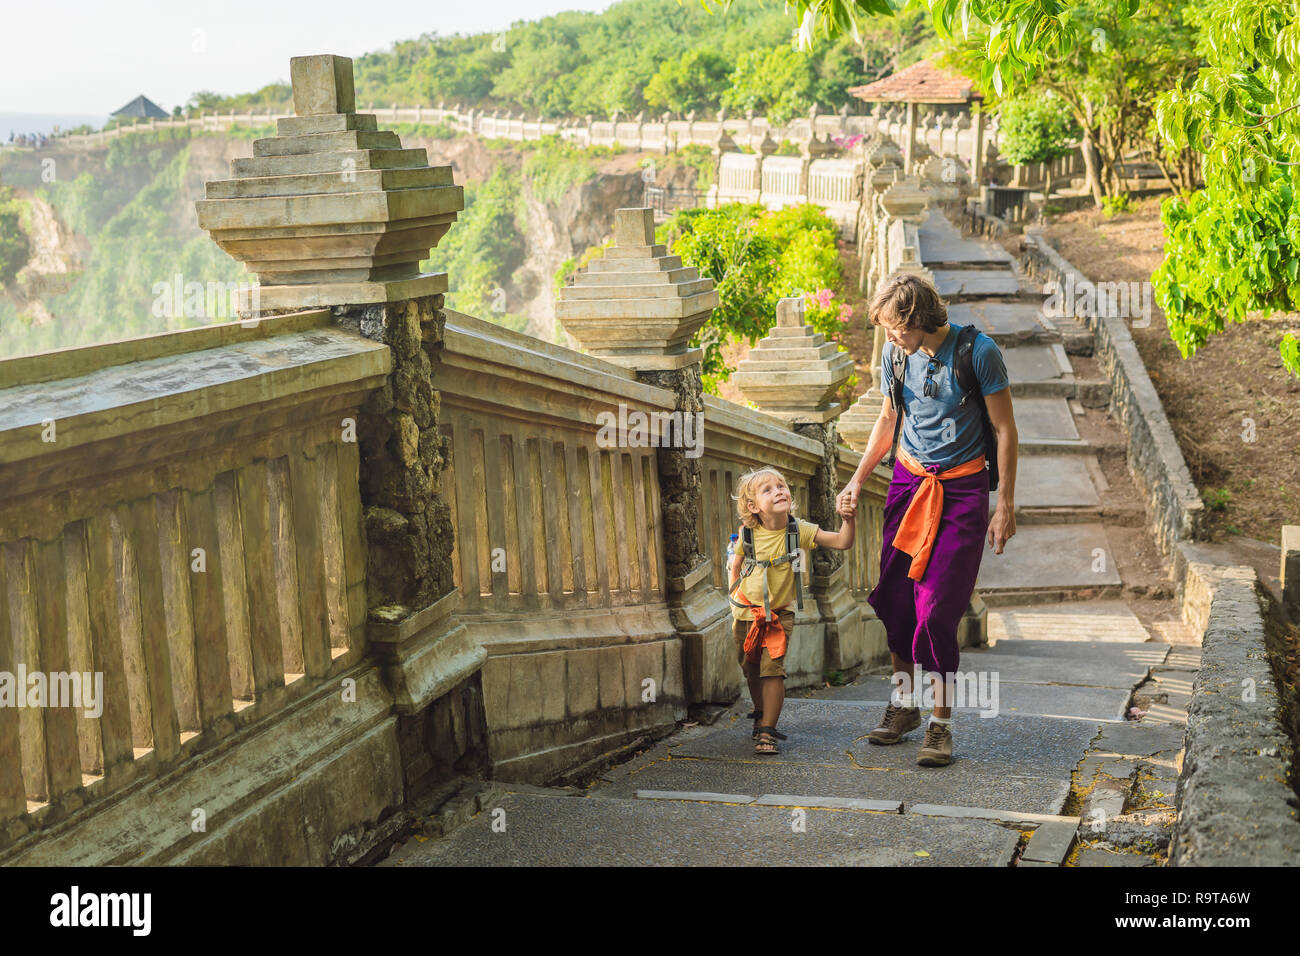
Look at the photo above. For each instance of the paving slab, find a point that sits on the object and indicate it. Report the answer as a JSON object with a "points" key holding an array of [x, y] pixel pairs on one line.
{"points": [[1053, 481], [1051, 842], [1138, 738], [694, 795], [984, 813], [976, 282], [1095, 856], [1070, 653], [1042, 700], [941, 241], [828, 803], [1034, 363], [543, 831], [1089, 622], [1051, 556], [1002, 320], [833, 733], [1044, 419], [903, 782], [1010, 667]]}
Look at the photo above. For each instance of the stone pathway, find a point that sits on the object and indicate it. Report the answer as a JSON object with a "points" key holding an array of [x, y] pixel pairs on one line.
{"points": [[1049, 770]]}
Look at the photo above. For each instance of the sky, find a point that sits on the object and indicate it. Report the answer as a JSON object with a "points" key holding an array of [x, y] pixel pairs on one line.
{"points": [[91, 57]]}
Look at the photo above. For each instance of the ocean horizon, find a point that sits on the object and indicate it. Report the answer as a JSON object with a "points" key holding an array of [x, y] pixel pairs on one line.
{"points": [[19, 123]]}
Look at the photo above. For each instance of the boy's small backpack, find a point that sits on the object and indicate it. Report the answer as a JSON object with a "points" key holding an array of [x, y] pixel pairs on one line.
{"points": [[751, 562], [967, 381]]}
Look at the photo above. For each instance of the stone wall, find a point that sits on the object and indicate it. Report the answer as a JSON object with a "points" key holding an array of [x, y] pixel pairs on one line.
{"points": [[1236, 805]]}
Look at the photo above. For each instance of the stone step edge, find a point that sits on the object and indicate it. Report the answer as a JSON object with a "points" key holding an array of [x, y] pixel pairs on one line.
{"points": [[898, 807]]}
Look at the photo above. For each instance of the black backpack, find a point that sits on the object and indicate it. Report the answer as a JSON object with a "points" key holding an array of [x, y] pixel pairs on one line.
{"points": [[967, 381]]}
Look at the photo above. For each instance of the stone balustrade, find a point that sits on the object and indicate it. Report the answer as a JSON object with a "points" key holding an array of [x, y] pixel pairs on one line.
{"points": [[181, 520], [330, 558]]}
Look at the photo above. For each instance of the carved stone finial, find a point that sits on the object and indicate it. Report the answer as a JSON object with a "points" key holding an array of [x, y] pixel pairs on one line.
{"points": [[793, 372], [331, 210], [322, 84], [637, 306]]}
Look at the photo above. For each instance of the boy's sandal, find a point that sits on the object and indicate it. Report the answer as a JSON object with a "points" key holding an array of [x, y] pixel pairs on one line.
{"points": [[775, 733], [756, 716], [766, 741]]}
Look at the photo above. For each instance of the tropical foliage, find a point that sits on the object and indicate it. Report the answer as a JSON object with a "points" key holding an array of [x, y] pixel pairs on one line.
{"points": [[755, 258], [1208, 83]]}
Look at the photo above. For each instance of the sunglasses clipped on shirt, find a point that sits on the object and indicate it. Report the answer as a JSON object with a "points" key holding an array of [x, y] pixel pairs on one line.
{"points": [[930, 389]]}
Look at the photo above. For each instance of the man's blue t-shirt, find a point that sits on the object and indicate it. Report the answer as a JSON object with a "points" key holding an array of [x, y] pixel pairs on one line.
{"points": [[938, 431]]}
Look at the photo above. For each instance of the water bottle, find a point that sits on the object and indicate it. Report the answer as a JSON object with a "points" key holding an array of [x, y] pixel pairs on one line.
{"points": [[731, 548]]}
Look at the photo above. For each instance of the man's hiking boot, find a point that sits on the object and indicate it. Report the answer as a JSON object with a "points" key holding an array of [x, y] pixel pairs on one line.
{"points": [[896, 722], [937, 749]]}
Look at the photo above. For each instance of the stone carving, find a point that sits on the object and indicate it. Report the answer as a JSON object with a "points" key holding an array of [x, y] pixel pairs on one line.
{"points": [[793, 372], [332, 211], [637, 306]]}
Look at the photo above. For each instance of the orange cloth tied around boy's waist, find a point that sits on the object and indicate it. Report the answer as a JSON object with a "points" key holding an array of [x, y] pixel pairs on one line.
{"points": [[764, 631], [920, 524]]}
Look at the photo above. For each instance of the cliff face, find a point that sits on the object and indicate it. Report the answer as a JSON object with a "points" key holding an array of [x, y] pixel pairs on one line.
{"points": [[117, 220], [555, 230], [561, 231]]}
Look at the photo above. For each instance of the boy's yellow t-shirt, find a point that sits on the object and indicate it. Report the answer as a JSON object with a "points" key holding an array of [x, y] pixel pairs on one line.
{"points": [[780, 579]]}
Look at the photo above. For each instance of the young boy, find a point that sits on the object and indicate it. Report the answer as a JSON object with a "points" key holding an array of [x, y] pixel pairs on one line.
{"points": [[765, 504]]}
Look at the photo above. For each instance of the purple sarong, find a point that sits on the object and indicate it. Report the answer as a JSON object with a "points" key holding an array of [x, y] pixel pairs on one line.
{"points": [[921, 617]]}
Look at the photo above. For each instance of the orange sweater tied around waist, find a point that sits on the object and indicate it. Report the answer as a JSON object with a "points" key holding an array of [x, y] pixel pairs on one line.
{"points": [[764, 631], [920, 524]]}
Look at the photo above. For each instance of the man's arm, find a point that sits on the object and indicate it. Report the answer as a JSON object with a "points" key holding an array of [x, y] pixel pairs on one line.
{"points": [[878, 445], [1003, 523]]}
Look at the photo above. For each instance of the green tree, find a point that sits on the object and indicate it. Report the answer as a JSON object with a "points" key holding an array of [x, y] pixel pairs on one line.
{"points": [[1234, 246], [756, 257], [688, 82], [484, 248], [777, 82], [1036, 128]]}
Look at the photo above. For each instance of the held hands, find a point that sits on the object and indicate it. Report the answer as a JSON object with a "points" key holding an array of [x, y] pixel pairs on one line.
{"points": [[846, 502]]}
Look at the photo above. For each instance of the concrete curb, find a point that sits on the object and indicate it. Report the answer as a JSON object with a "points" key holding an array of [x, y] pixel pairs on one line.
{"points": [[1174, 505], [1235, 805]]}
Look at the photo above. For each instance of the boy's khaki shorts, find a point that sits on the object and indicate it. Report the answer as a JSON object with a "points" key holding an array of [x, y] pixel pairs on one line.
{"points": [[767, 667]]}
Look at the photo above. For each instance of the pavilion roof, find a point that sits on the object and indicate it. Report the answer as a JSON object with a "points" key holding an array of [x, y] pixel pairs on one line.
{"points": [[920, 83], [141, 106]]}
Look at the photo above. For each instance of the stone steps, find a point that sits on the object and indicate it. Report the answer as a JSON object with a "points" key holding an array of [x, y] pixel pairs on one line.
{"points": [[703, 797]]}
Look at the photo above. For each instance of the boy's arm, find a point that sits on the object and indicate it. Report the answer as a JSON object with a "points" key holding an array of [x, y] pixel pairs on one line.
{"points": [[840, 540]]}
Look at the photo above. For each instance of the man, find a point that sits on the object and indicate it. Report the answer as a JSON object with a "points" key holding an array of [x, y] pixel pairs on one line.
{"points": [[937, 508]]}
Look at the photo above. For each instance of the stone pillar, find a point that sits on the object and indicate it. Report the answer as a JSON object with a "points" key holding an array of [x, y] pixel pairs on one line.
{"points": [[620, 309], [792, 373], [316, 247], [903, 205], [977, 148]]}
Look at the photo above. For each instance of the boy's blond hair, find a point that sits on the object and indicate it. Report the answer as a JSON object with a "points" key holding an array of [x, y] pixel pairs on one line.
{"points": [[745, 494]]}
